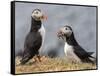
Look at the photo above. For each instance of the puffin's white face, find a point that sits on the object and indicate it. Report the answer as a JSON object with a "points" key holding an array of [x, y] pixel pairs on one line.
{"points": [[65, 31], [37, 14]]}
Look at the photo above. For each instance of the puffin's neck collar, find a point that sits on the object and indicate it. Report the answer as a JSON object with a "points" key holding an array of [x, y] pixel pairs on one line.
{"points": [[71, 40], [35, 25]]}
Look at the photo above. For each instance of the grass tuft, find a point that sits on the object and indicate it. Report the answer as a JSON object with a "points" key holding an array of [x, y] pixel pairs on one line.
{"points": [[51, 64]]}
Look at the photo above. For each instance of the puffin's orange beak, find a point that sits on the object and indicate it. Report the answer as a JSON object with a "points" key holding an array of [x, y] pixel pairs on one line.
{"points": [[44, 17]]}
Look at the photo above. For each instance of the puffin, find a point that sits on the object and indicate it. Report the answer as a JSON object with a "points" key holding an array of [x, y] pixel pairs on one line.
{"points": [[35, 38], [72, 49]]}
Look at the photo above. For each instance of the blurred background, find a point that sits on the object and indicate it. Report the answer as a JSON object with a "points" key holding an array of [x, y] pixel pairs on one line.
{"points": [[82, 19]]}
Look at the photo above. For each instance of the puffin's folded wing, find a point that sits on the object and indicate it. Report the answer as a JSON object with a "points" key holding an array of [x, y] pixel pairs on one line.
{"points": [[80, 52], [33, 40]]}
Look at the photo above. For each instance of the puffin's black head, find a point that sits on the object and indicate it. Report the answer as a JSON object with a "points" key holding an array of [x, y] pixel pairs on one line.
{"points": [[65, 31], [38, 15]]}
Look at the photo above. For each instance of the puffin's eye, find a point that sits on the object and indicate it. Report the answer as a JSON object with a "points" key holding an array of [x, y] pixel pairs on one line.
{"points": [[36, 12], [66, 29]]}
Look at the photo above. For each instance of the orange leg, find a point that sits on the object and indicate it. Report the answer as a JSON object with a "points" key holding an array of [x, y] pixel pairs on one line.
{"points": [[37, 58]]}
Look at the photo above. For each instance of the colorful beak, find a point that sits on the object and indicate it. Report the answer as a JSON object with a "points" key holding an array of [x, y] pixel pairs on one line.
{"points": [[44, 17]]}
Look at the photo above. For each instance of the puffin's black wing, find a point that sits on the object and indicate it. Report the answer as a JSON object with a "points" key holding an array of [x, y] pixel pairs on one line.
{"points": [[82, 54], [33, 40], [32, 45]]}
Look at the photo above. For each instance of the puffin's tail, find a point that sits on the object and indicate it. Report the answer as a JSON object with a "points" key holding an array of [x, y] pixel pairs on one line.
{"points": [[90, 53], [25, 60], [26, 57], [88, 60]]}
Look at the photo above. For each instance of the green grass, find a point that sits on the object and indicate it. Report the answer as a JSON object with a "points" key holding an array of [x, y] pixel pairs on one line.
{"points": [[51, 64]]}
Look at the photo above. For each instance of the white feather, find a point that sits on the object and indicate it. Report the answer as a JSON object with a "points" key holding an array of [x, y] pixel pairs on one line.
{"points": [[69, 52], [42, 32], [67, 48]]}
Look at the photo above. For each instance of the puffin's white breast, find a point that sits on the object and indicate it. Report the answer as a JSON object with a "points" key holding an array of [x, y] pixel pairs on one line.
{"points": [[69, 52], [42, 32], [67, 48]]}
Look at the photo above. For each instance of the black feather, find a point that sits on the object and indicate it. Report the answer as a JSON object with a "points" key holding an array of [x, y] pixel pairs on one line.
{"points": [[32, 42], [78, 50]]}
